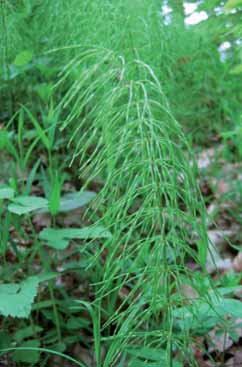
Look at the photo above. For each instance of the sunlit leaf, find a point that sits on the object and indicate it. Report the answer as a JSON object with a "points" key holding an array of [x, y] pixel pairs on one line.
{"points": [[232, 4], [6, 193], [27, 204], [16, 299], [59, 238], [237, 69], [23, 58]]}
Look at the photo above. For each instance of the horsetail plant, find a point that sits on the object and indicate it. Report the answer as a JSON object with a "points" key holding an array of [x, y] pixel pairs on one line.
{"points": [[123, 131]]}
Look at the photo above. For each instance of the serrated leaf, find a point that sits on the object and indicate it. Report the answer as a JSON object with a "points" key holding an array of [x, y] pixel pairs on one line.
{"points": [[6, 193], [27, 355], [16, 299], [59, 238], [26, 204], [23, 58]]}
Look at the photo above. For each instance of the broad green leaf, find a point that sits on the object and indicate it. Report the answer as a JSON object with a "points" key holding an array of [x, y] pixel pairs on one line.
{"points": [[44, 91], [15, 71], [59, 347], [231, 307], [27, 332], [23, 58], [86, 233], [26, 204], [47, 276], [203, 316], [232, 4], [59, 238], [75, 323], [237, 69], [152, 354], [6, 193], [5, 339], [27, 356], [16, 299], [137, 362], [75, 233], [58, 244], [75, 200]]}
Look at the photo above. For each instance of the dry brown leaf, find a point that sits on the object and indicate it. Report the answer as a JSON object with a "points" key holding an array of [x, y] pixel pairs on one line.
{"points": [[238, 327], [189, 292], [205, 158], [83, 354], [42, 220], [222, 188], [235, 361], [219, 342], [237, 263]]}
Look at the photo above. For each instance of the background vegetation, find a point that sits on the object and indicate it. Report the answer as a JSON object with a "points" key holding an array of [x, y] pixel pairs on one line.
{"points": [[120, 183]]}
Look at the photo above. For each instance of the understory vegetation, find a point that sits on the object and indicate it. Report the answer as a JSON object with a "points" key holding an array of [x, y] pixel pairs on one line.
{"points": [[120, 183]]}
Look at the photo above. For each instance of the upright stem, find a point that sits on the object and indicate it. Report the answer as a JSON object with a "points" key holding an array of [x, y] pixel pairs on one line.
{"points": [[5, 53]]}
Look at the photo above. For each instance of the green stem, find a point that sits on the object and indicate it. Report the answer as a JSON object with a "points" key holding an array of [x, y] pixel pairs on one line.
{"points": [[56, 315], [5, 53]]}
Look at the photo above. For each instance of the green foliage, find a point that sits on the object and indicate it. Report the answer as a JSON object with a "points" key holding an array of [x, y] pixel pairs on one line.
{"points": [[237, 69], [232, 4], [27, 356], [75, 200], [6, 193], [23, 58], [16, 299], [105, 95], [26, 204], [59, 238]]}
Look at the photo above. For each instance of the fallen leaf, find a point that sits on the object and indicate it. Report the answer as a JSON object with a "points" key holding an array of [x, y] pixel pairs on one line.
{"points": [[222, 188], [237, 263], [206, 157], [219, 341], [236, 360]]}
